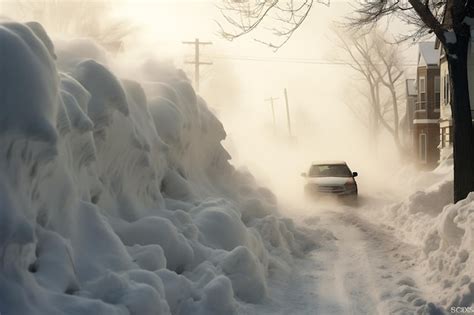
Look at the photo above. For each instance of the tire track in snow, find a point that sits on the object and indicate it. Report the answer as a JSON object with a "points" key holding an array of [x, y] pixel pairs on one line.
{"points": [[352, 271], [365, 271], [390, 264]]}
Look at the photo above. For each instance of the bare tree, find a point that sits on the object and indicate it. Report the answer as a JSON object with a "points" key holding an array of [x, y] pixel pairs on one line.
{"points": [[280, 17], [377, 62]]}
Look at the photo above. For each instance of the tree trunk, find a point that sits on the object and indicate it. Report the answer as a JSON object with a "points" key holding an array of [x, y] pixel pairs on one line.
{"points": [[396, 118], [463, 142], [396, 129], [374, 119]]}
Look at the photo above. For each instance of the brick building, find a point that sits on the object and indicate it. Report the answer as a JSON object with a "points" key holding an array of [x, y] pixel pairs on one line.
{"points": [[426, 116]]}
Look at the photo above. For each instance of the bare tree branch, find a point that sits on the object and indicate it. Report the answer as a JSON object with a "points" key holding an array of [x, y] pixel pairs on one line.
{"points": [[244, 16], [377, 61]]}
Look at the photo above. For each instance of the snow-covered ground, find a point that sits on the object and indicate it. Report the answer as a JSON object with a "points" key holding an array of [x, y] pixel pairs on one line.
{"points": [[117, 197], [385, 256]]}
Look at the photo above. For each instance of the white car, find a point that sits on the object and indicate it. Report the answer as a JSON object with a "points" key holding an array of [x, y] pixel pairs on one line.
{"points": [[332, 178]]}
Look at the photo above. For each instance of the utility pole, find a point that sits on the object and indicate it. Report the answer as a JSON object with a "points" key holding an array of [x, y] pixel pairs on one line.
{"points": [[197, 61], [271, 99], [288, 113]]}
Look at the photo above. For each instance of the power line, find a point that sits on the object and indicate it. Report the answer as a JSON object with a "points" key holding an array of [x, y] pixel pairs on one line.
{"points": [[293, 60]]}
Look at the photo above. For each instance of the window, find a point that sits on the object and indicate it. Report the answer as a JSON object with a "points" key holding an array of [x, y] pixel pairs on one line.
{"points": [[422, 85], [437, 92], [422, 147], [421, 104], [447, 90], [437, 85]]}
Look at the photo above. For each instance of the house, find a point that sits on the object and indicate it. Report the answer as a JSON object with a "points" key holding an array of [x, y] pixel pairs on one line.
{"points": [[427, 109], [445, 119], [407, 122]]}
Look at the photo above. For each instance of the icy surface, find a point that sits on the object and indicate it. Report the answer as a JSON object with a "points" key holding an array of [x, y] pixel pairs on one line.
{"points": [[117, 197]]}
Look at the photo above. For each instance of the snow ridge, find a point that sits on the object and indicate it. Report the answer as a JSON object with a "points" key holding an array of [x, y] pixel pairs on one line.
{"points": [[445, 234], [117, 197]]}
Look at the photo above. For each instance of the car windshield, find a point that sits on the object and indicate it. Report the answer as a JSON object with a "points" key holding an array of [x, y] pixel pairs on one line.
{"points": [[334, 170]]}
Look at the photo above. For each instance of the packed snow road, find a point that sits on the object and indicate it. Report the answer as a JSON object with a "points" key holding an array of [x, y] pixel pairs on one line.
{"points": [[359, 269]]}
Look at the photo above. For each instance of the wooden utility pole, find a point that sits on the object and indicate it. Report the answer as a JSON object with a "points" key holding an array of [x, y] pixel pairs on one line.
{"points": [[288, 113], [271, 99], [197, 61]]}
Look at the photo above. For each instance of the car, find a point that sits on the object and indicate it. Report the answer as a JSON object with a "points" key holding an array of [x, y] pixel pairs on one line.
{"points": [[330, 178]]}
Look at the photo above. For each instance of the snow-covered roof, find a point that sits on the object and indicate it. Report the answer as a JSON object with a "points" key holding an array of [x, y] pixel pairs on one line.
{"points": [[329, 162], [411, 87], [427, 54]]}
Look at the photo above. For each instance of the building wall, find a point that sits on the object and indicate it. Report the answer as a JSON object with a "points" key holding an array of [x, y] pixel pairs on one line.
{"points": [[431, 134], [426, 136], [410, 112], [428, 106], [445, 121], [445, 95], [446, 125]]}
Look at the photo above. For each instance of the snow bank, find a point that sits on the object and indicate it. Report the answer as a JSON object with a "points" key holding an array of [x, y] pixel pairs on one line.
{"points": [[445, 234], [448, 246], [30, 115], [117, 196]]}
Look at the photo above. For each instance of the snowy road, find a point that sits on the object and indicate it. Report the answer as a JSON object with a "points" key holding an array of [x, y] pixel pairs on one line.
{"points": [[364, 269]]}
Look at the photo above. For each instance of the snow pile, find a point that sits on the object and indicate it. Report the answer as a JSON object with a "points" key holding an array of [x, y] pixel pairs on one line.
{"points": [[409, 179], [445, 233], [117, 196], [448, 246]]}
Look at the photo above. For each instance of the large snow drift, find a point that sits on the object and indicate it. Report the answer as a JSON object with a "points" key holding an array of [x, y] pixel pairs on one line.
{"points": [[445, 234], [117, 196]]}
